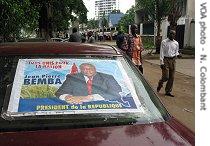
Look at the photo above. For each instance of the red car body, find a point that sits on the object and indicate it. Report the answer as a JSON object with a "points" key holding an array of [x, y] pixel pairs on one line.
{"points": [[168, 133]]}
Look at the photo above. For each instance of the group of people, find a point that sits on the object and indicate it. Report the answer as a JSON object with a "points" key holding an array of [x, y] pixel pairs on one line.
{"points": [[76, 37], [132, 45]]}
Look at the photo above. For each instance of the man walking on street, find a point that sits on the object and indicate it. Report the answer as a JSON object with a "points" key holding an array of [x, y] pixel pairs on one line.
{"points": [[169, 50]]}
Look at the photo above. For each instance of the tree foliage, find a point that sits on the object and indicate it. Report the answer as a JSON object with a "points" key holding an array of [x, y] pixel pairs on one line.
{"points": [[127, 20], [155, 9], [103, 23], [92, 24], [46, 15], [14, 15], [56, 15], [159, 9]]}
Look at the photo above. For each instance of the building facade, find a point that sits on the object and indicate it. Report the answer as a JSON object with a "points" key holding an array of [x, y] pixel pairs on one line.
{"points": [[185, 25], [105, 7]]}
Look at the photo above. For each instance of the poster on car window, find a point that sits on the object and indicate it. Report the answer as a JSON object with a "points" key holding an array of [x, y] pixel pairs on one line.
{"points": [[72, 86]]}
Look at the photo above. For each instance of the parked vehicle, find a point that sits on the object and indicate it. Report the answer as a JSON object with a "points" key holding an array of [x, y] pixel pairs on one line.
{"points": [[59, 40], [32, 113], [32, 40]]}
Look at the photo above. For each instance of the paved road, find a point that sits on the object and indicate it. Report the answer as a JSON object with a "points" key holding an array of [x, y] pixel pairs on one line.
{"points": [[182, 105]]}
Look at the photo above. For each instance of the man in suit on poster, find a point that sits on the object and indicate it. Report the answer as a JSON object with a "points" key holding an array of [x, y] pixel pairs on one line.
{"points": [[88, 85]]}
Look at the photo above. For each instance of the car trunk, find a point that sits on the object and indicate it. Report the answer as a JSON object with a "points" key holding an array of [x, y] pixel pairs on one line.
{"points": [[158, 134]]}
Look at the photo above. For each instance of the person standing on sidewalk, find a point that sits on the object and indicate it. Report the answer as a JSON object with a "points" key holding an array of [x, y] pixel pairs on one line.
{"points": [[135, 47], [169, 50]]}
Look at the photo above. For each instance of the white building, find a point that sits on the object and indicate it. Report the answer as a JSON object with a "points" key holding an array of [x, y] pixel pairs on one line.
{"points": [[105, 6]]}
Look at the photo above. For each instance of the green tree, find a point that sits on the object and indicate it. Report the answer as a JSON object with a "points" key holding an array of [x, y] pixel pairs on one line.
{"points": [[104, 23], [92, 24], [46, 15], [15, 15], [56, 15], [156, 10], [127, 20]]}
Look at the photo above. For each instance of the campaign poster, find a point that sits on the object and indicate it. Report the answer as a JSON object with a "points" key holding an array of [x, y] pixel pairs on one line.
{"points": [[71, 86]]}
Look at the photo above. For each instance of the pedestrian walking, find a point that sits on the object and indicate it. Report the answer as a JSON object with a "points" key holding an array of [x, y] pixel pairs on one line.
{"points": [[135, 47], [75, 37], [169, 50]]}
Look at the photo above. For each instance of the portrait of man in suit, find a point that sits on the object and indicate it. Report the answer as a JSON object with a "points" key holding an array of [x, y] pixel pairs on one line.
{"points": [[88, 85]]}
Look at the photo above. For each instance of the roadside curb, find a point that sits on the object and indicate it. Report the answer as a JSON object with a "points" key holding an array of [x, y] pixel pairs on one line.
{"points": [[157, 64], [152, 56]]}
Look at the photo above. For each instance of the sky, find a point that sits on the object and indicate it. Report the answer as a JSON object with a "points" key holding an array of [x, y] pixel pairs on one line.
{"points": [[124, 5]]}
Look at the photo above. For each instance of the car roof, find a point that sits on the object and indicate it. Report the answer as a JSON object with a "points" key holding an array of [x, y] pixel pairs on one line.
{"points": [[67, 48]]}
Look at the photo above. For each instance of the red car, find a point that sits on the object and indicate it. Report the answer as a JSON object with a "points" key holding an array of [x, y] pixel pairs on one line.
{"points": [[46, 99]]}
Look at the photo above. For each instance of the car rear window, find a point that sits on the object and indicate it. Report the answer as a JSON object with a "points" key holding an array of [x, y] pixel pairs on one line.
{"points": [[74, 92]]}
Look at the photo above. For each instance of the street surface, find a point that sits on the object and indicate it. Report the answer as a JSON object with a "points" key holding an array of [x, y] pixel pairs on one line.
{"points": [[182, 105]]}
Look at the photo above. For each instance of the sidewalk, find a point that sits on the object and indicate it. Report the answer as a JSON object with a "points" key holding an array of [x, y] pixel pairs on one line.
{"points": [[184, 65]]}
